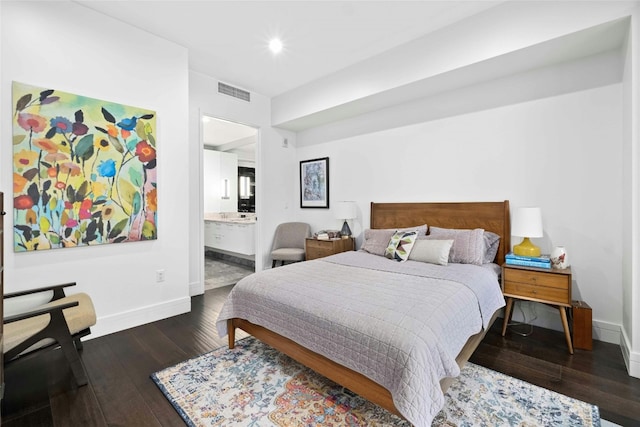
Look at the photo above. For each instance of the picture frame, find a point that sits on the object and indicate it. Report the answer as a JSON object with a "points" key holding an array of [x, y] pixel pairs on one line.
{"points": [[314, 183]]}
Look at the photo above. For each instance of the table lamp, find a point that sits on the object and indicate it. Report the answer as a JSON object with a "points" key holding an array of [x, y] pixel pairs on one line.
{"points": [[345, 211], [526, 223]]}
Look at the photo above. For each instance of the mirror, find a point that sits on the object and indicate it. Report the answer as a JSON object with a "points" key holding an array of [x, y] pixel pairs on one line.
{"points": [[231, 140]]}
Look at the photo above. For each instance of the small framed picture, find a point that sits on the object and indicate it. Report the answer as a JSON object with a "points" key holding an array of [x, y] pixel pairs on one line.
{"points": [[314, 183]]}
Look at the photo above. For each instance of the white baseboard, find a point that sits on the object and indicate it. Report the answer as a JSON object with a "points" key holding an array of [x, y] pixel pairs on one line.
{"points": [[634, 365], [128, 319], [607, 332], [196, 288], [631, 359], [548, 317]]}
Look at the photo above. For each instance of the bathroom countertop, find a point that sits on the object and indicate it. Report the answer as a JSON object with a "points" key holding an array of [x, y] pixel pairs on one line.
{"points": [[230, 219]]}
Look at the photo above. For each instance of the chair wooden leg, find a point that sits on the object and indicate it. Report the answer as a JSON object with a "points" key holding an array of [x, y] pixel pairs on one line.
{"points": [[75, 363], [78, 344], [273, 264], [68, 347]]}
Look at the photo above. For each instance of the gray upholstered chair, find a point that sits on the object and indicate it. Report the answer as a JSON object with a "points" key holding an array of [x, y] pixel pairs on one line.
{"points": [[289, 242], [47, 318]]}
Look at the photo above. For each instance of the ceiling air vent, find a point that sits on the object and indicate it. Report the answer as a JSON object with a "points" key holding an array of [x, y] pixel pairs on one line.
{"points": [[234, 91]]}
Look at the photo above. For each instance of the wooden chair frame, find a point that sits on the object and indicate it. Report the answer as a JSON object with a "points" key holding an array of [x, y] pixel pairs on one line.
{"points": [[57, 329]]}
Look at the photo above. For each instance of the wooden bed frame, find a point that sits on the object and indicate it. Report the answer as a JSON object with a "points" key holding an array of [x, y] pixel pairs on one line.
{"points": [[491, 216]]}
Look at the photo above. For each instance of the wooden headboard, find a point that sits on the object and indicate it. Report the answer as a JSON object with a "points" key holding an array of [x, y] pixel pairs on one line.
{"points": [[491, 216]]}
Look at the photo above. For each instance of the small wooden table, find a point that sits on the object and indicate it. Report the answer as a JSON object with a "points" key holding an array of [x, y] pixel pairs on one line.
{"points": [[551, 287], [315, 248]]}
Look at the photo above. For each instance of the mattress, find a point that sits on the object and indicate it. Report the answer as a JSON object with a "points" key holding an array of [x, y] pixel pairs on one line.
{"points": [[401, 324]]}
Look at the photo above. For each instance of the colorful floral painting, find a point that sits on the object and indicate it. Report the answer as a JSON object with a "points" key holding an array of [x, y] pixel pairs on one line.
{"points": [[84, 171]]}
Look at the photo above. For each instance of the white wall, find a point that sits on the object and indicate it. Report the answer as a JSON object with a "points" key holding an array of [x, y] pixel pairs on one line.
{"points": [[275, 168], [95, 56], [561, 153], [630, 342], [600, 167]]}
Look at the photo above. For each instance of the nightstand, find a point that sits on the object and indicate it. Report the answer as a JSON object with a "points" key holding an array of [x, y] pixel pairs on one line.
{"points": [[315, 248], [551, 287]]}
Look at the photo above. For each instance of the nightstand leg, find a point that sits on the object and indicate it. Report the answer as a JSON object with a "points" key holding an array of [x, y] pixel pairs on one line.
{"points": [[565, 325], [507, 315]]}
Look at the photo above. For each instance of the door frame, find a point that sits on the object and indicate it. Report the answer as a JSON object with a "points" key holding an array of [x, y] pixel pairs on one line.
{"points": [[200, 237]]}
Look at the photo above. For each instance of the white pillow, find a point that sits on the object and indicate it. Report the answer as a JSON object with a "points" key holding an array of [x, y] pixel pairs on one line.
{"points": [[431, 251]]}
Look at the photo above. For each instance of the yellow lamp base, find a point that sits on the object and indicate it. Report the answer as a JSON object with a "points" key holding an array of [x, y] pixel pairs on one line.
{"points": [[526, 248]]}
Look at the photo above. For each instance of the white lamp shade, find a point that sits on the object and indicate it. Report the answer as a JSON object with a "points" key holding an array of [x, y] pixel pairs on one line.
{"points": [[527, 222], [345, 210]]}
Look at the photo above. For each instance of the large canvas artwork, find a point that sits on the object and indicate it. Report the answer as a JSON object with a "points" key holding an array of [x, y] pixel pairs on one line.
{"points": [[84, 171]]}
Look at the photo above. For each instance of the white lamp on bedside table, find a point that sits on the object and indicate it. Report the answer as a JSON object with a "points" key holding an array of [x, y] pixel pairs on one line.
{"points": [[345, 211], [526, 223]]}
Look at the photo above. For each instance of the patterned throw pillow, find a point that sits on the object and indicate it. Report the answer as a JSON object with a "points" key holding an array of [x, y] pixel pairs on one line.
{"points": [[376, 240], [400, 245]]}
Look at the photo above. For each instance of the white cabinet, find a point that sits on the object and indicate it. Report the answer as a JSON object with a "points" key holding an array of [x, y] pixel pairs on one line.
{"points": [[230, 237], [239, 238], [211, 175], [220, 175], [211, 234]]}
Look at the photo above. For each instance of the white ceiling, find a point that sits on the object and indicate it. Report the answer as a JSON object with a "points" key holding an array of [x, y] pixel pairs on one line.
{"points": [[228, 39], [223, 135]]}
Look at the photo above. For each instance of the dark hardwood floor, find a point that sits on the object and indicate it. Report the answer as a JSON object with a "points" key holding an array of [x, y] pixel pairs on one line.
{"points": [[40, 391]]}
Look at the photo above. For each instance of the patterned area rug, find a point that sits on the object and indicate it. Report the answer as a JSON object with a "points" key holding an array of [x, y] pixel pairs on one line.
{"points": [[255, 385]]}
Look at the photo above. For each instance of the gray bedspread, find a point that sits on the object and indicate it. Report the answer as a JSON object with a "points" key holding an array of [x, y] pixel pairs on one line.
{"points": [[400, 324]]}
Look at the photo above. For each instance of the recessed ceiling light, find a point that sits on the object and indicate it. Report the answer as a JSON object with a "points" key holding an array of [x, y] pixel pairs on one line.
{"points": [[275, 45]]}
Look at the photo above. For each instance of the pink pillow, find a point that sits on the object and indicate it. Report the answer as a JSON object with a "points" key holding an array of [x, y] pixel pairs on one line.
{"points": [[468, 245]]}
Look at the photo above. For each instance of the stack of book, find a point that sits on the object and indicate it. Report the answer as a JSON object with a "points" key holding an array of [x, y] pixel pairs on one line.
{"points": [[542, 261], [327, 235]]}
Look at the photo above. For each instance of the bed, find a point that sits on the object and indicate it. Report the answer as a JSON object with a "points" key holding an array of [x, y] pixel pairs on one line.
{"points": [[363, 321]]}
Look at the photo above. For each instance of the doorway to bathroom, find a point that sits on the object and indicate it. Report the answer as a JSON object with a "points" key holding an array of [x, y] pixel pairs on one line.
{"points": [[229, 184]]}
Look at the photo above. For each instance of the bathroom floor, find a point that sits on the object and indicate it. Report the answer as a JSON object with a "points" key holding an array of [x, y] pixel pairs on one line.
{"points": [[219, 272]]}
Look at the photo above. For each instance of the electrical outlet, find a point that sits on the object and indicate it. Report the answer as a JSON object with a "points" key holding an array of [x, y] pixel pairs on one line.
{"points": [[159, 276]]}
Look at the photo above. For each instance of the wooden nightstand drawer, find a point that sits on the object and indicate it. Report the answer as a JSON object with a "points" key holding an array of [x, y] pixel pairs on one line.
{"points": [[537, 292], [537, 278], [319, 249], [319, 244], [315, 248]]}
